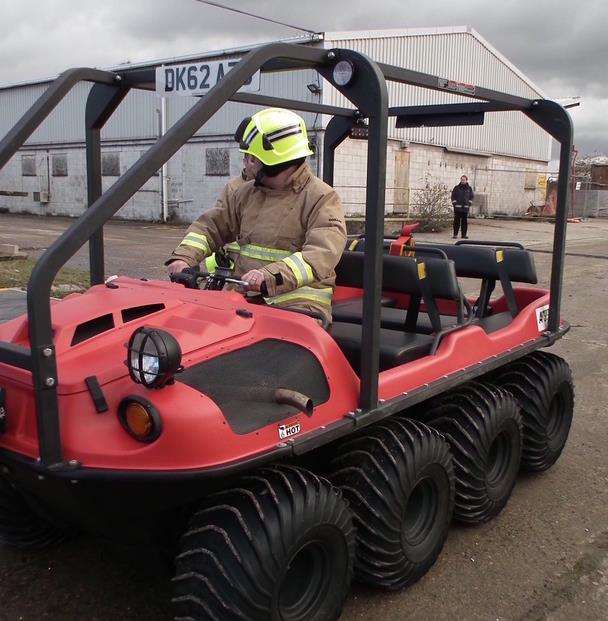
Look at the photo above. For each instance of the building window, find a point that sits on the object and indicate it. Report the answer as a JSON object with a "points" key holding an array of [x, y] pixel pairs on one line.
{"points": [[59, 165], [530, 178], [110, 164], [217, 162], [28, 165]]}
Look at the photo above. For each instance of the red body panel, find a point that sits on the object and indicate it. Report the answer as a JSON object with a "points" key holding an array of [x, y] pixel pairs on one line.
{"points": [[195, 432]]}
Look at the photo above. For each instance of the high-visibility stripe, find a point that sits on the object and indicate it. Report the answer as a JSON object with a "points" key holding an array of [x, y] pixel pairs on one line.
{"points": [[281, 133], [190, 242], [301, 270], [262, 253], [196, 240], [303, 294], [198, 236], [252, 134]]}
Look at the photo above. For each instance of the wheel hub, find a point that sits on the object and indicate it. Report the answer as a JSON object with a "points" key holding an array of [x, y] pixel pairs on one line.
{"points": [[499, 460], [305, 583]]}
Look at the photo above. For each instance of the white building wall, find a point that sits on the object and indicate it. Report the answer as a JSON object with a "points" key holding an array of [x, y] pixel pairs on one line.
{"points": [[459, 54], [501, 184], [191, 190]]}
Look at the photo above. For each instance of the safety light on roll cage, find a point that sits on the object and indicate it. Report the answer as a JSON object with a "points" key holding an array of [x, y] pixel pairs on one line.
{"points": [[343, 73], [154, 357]]}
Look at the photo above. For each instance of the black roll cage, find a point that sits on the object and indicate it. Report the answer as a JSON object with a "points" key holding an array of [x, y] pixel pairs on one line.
{"points": [[367, 91]]}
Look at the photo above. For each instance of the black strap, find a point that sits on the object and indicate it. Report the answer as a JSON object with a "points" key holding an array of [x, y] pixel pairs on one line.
{"points": [[483, 301], [429, 300], [411, 317], [460, 309], [506, 283]]}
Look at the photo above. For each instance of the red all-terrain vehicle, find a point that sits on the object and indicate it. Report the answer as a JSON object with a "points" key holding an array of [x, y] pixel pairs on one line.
{"points": [[287, 456]]}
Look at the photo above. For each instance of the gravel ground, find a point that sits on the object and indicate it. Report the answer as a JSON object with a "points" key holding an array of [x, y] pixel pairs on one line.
{"points": [[544, 557]]}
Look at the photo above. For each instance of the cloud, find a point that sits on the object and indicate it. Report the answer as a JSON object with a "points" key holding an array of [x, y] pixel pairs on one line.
{"points": [[560, 45]]}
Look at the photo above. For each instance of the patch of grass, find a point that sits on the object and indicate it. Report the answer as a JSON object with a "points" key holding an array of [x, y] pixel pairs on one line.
{"points": [[16, 273]]}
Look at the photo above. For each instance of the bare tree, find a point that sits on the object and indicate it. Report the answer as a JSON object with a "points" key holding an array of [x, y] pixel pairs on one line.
{"points": [[431, 205]]}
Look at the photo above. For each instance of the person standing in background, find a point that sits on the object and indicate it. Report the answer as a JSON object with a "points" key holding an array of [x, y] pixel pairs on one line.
{"points": [[462, 196]]}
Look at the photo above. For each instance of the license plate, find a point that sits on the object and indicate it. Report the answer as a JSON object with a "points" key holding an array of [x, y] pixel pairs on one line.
{"points": [[195, 79]]}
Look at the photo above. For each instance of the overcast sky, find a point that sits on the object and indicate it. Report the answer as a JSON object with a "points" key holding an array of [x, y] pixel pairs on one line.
{"points": [[561, 45]]}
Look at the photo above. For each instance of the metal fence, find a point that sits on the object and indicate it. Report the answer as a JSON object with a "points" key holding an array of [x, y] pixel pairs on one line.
{"points": [[590, 203]]}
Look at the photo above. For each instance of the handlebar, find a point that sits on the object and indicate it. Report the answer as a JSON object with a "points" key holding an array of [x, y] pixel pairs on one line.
{"points": [[191, 278]]}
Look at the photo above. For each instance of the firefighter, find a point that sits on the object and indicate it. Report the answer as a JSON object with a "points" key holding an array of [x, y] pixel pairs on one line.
{"points": [[285, 230]]}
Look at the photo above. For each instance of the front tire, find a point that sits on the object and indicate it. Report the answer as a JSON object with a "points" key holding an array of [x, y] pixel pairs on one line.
{"points": [[399, 481], [542, 385], [278, 546], [20, 526], [483, 427]]}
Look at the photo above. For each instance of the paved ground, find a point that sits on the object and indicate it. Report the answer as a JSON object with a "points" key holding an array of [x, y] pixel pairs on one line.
{"points": [[544, 557]]}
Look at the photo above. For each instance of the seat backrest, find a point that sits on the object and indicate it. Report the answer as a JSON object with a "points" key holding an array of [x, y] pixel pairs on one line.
{"points": [[476, 261], [403, 275], [480, 261]]}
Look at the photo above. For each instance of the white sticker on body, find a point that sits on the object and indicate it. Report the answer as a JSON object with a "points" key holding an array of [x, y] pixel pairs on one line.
{"points": [[542, 317], [287, 431]]}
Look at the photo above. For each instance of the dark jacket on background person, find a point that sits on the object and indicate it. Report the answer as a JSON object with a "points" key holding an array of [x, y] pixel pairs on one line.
{"points": [[462, 195]]}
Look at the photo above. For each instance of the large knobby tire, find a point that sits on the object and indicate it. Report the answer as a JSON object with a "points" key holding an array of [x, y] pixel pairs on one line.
{"points": [[280, 545], [399, 481], [542, 385], [482, 424], [20, 526]]}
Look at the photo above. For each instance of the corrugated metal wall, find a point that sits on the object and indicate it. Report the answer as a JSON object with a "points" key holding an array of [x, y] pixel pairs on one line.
{"points": [[136, 118], [461, 57]]}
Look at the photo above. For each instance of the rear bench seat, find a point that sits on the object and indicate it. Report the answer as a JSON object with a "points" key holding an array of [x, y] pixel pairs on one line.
{"points": [[470, 261], [435, 278]]}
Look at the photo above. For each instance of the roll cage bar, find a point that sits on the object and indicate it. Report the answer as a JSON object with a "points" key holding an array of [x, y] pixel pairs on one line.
{"points": [[367, 91]]}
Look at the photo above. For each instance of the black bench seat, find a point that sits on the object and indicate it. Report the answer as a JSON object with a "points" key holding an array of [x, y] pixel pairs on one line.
{"points": [[423, 282], [396, 347], [391, 318]]}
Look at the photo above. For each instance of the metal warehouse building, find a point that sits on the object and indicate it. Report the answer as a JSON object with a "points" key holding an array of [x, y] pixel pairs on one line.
{"points": [[506, 159]]}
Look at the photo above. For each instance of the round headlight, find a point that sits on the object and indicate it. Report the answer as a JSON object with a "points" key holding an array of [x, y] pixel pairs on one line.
{"points": [[140, 419], [343, 72], [154, 357]]}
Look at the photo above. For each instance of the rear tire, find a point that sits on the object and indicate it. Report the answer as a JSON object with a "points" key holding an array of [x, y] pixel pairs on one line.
{"points": [[399, 481], [542, 385], [278, 546], [20, 526], [483, 427]]}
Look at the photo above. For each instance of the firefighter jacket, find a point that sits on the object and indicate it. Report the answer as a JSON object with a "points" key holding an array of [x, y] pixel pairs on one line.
{"points": [[295, 236], [229, 189]]}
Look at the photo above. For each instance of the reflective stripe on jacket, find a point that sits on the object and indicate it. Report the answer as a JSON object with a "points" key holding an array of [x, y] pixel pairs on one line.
{"points": [[295, 236]]}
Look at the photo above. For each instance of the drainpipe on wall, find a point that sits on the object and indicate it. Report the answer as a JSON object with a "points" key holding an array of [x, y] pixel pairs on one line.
{"points": [[164, 180]]}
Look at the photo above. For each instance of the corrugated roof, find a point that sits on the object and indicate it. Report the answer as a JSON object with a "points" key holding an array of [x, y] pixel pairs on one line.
{"points": [[440, 30], [181, 59]]}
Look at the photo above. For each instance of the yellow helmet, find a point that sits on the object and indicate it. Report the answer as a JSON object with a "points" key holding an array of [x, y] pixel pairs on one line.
{"points": [[274, 136]]}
